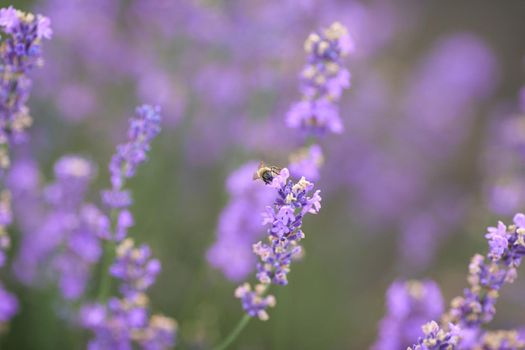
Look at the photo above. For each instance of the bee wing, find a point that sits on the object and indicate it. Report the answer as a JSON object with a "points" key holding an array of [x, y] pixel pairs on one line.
{"points": [[255, 175], [276, 170]]}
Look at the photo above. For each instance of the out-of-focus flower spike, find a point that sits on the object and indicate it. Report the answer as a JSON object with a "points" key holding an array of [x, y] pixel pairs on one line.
{"points": [[143, 128], [323, 80], [20, 52]]}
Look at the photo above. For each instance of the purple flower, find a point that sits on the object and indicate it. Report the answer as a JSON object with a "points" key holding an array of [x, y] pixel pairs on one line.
{"points": [[44, 28], [324, 67], [254, 302], [409, 305], [134, 267], [436, 338], [143, 128], [322, 81], [123, 322], [73, 175], [9, 19], [160, 333], [497, 239], [20, 51], [487, 276], [294, 200]]}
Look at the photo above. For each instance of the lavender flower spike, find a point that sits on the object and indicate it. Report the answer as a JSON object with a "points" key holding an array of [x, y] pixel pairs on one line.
{"points": [[20, 40], [322, 81], [20, 52], [285, 217], [143, 128], [506, 249], [124, 322]]}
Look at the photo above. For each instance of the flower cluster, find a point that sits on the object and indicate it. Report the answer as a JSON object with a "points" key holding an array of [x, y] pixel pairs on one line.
{"points": [[255, 302], [143, 128], [240, 224], [20, 52], [284, 217], [436, 338], [124, 321], [409, 305], [134, 267], [477, 305], [487, 276], [322, 81]]}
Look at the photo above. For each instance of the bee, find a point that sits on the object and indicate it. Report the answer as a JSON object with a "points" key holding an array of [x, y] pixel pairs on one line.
{"points": [[266, 173]]}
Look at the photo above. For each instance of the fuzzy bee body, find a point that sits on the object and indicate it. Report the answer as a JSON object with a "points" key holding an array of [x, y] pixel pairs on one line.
{"points": [[266, 173]]}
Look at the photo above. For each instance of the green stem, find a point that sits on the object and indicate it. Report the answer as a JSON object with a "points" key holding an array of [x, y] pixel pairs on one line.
{"points": [[234, 334]]}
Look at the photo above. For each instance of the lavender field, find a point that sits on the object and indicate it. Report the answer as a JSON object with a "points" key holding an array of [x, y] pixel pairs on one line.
{"points": [[294, 174]]}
